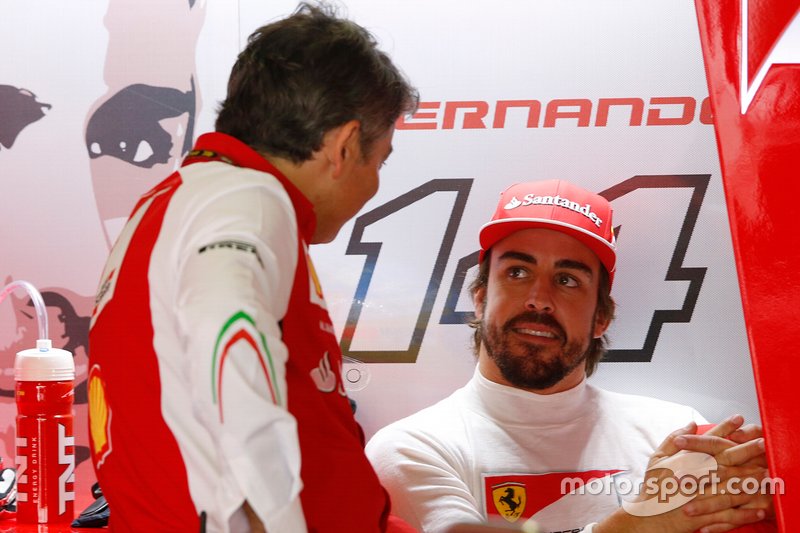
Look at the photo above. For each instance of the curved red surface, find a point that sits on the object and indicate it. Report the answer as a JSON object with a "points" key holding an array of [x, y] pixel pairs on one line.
{"points": [[760, 160]]}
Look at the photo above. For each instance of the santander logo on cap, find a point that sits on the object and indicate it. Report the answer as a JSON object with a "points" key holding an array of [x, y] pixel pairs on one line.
{"points": [[555, 205], [558, 201]]}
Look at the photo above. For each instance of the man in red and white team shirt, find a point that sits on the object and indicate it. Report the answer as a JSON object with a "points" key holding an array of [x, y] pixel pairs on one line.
{"points": [[216, 400]]}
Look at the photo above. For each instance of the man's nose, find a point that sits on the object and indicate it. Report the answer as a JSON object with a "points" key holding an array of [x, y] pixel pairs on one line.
{"points": [[540, 296]]}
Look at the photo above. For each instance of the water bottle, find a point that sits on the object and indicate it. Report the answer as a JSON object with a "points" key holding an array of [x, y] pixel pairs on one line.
{"points": [[45, 439]]}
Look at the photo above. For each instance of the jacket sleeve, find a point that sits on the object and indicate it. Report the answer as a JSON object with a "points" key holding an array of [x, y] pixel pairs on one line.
{"points": [[236, 269]]}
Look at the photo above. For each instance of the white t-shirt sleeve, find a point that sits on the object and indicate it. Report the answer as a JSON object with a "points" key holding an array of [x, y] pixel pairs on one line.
{"points": [[424, 480]]}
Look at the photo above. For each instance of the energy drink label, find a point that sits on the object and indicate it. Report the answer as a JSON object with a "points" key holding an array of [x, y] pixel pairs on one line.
{"points": [[45, 440]]}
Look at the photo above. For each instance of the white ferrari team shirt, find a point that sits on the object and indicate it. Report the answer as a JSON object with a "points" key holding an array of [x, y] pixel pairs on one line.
{"points": [[493, 451]]}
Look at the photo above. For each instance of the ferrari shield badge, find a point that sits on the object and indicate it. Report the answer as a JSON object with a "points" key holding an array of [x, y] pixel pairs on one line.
{"points": [[509, 500]]}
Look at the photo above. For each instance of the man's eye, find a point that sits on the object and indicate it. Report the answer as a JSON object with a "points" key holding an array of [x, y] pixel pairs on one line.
{"points": [[566, 280], [517, 272]]}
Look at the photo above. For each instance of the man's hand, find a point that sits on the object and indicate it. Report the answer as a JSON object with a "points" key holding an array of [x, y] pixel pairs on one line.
{"points": [[740, 455], [710, 513], [256, 526]]}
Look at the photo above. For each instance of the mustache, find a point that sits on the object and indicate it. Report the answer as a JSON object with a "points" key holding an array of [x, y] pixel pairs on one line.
{"points": [[532, 317]]}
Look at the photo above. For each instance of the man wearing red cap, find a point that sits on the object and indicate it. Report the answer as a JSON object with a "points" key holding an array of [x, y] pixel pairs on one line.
{"points": [[528, 439]]}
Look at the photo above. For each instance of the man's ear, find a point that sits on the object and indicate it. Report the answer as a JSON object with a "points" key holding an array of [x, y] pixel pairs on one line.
{"points": [[479, 301], [341, 146], [601, 323]]}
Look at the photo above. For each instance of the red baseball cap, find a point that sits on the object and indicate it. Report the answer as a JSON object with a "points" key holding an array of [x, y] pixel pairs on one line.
{"points": [[557, 205]]}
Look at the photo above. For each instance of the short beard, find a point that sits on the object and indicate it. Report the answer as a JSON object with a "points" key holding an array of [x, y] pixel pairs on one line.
{"points": [[528, 369]]}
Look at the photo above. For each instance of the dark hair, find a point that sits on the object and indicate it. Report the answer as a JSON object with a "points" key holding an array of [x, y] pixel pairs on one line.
{"points": [[605, 310], [304, 75]]}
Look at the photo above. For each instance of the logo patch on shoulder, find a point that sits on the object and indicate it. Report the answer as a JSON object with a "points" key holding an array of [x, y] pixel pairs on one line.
{"points": [[240, 246]]}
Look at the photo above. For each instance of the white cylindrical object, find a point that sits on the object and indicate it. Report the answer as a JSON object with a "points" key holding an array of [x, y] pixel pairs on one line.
{"points": [[44, 363]]}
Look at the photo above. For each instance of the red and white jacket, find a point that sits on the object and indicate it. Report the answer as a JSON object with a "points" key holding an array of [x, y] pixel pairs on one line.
{"points": [[214, 367]]}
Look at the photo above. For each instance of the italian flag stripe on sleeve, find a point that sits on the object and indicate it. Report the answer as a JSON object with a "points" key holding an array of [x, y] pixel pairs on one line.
{"points": [[241, 328]]}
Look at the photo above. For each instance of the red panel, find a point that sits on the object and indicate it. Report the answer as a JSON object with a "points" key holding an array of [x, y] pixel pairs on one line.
{"points": [[767, 20], [760, 159]]}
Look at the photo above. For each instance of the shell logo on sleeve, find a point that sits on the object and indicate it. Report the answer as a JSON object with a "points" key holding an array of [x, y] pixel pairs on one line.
{"points": [[99, 416]]}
